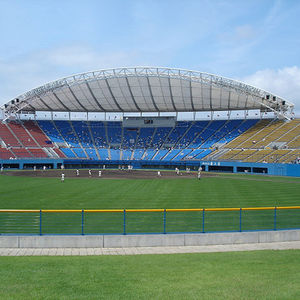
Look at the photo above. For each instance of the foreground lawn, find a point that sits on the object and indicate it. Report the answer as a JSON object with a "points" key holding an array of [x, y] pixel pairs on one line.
{"points": [[235, 275]]}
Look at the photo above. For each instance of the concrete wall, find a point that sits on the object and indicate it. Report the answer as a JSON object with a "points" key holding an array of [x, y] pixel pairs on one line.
{"points": [[122, 241]]}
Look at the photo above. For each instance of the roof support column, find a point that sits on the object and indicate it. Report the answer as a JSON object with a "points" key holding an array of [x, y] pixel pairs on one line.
{"points": [[229, 114]]}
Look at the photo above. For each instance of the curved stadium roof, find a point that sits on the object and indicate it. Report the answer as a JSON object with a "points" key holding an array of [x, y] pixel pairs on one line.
{"points": [[146, 89]]}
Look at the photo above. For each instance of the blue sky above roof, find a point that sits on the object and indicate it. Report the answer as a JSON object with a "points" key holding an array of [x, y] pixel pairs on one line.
{"points": [[253, 41]]}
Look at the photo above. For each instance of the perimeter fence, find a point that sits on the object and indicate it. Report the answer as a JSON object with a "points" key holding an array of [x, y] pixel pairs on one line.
{"points": [[143, 221]]}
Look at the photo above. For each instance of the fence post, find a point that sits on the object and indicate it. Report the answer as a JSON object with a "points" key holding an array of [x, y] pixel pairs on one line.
{"points": [[165, 215], [240, 219], [40, 222], [124, 221], [275, 218], [203, 219], [82, 222]]}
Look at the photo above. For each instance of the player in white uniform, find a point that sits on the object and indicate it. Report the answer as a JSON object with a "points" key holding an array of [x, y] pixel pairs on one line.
{"points": [[77, 172], [62, 177], [100, 173], [158, 174], [90, 173], [199, 175]]}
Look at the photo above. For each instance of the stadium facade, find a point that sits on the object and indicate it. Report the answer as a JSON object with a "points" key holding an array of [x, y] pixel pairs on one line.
{"points": [[135, 116]]}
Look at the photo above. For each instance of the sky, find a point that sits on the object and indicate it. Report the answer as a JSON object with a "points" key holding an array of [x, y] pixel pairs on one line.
{"points": [[254, 41]]}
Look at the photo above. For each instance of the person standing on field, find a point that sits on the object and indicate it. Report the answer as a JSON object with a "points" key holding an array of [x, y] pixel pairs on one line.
{"points": [[62, 177], [199, 175]]}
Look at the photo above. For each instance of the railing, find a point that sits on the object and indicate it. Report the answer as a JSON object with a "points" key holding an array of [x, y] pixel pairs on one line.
{"points": [[137, 221]]}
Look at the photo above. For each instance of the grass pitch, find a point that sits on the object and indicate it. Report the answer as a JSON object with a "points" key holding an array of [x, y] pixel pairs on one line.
{"points": [[232, 275], [91, 193]]}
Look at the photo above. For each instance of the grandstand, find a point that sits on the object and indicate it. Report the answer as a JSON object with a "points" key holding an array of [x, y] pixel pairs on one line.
{"points": [[135, 116]]}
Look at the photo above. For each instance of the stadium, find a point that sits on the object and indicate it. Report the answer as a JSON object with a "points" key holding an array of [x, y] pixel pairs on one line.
{"points": [[151, 118], [150, 157]]}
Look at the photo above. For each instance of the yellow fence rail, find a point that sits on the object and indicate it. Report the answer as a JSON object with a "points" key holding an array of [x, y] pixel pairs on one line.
{"points": [[146, 209]]}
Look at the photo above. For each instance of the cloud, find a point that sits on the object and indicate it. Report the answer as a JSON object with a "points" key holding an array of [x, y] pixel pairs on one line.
{"points": [[283, 82]]}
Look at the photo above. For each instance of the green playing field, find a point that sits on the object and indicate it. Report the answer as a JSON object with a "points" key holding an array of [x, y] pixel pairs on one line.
{"points": [[88, 193]]}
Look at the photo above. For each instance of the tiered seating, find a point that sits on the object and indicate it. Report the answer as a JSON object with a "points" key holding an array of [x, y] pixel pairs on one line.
{"points": [[149, 154], [7, 137], [221, 133], [276, 156], [79, 152], [22, 134], [247, 140], [59, 153], [171, 154], [92, 153], [115, 154], [241, 128], [209, 131], [6, 154], [203, 154], [114, 133], [295, 143], [259, 155], [68, 153], [82, 131], [129, 138], [49, 128], [260, 139], [145, 137], [273, 133], [38, 153], [160, 136], [195, 153], [68, 133], [126, 154], [99, 135], [103, 154], [138, 154], [290, 157], [178, 131], [243, 155], [292, 132], [184, 154], [236, 143], [192, 138], [21, 153], [38, 134], [160, 154], [230, 154]]}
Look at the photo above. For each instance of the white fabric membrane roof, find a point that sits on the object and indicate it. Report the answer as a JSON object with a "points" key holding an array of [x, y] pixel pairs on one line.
{"points": [[146, 89]]}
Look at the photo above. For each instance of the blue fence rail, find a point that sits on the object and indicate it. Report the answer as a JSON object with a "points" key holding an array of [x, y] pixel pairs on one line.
{"points": [[137, 221]]}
